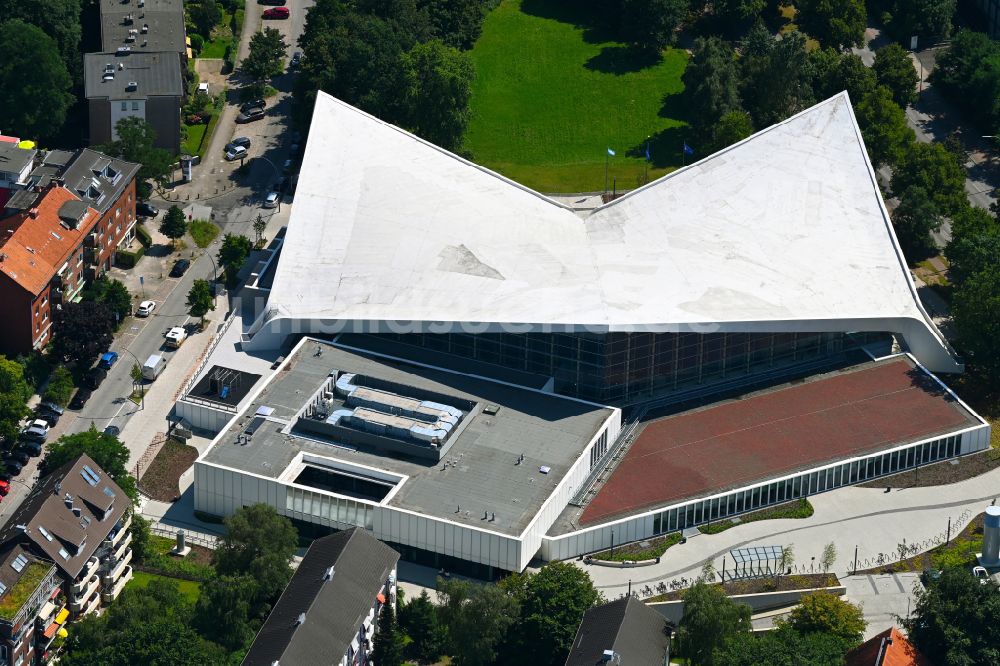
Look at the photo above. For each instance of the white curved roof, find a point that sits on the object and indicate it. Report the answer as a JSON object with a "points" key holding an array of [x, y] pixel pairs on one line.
{"points": [[784, 231]]}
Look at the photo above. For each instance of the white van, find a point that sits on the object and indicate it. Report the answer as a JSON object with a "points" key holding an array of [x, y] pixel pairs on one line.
{"points": [[153, 366]]}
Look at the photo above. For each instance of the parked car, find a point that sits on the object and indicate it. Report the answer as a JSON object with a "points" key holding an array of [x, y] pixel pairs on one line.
{"points": [[4, 487], [180, 268], [5, 474], [287, 166], [113, 430], [80, 399], [271, 200], [37, 430], [176, 336], [258, 103], [296, 60], [32, 449], [235, 153], [17, 456], [274, 3], [145, 308], [276, 13], [250, 116], [95, 377], [13, 466], [241, 141], [153, 366], [49, 417], [146, 209], [108, 359]]}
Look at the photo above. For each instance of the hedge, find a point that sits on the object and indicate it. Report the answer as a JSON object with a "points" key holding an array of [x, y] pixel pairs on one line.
{"points": [[127, 259], [143, 235]]}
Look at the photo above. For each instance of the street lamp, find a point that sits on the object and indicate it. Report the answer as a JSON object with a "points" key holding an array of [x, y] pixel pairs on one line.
{"points": [[142, 389]]}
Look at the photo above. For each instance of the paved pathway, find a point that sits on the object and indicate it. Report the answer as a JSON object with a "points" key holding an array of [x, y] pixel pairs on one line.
{"points": [[867, 518]]}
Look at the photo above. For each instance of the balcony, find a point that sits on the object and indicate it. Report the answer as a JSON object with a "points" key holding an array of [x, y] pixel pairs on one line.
{"points": [[114, 574], [122, 547], [111, 594], [122, 531], [86, 594]]}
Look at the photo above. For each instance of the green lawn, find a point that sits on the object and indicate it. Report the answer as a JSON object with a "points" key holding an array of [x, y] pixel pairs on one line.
{"points": [[552, 94], [195, 136], [203, 232], [222, 36], [188, 588]]}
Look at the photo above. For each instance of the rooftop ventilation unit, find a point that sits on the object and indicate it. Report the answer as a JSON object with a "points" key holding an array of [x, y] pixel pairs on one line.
{"points": [[145, 28], [123, 50], [133, 85]]}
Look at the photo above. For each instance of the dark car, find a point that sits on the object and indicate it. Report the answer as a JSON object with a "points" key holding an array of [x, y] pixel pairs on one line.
{"points": [[250, 116], [49, 417], [112, 430], [146, 209], [13, 467], [32, 449], [241, 141], [296, 60], [17, 456], [80, 399], [6, 475], [180, 268], [94, 378], [250, 106]]}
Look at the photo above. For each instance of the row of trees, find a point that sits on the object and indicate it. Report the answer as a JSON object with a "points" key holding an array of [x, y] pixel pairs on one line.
{"points": [[525, 618], [399, 61], [969, 72]]}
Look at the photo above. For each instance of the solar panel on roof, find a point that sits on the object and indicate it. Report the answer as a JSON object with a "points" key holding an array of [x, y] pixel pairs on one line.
{"points": [[3, 588], [89, 475], [19, 562], [109, 492]]}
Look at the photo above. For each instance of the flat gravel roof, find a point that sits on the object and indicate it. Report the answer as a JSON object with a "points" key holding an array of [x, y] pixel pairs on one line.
{"points": [[481, 475]]}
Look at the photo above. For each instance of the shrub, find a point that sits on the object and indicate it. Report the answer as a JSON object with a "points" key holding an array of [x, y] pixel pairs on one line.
{"points": [[143, 236], [60, 388], [127, 259], [197, 43]]}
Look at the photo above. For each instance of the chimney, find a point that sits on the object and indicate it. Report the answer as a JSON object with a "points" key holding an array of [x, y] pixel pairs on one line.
{"points": [[33, 213], [329, 573], [68, 499]]}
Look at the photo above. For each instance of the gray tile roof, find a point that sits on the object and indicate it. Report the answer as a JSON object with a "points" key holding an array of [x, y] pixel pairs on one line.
{"points": [[158, 25], [13, 159], [50, 516], [629, 627], [98, 179], [334, 609], [154, 74]]}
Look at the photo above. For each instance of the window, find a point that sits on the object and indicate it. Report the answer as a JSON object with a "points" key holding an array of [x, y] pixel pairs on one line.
{"points": [[46, 317], [45, 533], [135, 106], [64, 553], [36, 310], [118, 213], [19, 562]]}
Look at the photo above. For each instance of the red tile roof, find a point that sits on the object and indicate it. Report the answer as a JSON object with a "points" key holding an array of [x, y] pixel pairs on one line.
{"points": [[34, 248], [900, 652]]}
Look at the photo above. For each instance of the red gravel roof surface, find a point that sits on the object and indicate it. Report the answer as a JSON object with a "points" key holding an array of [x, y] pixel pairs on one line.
{"points": [[770, 434]]}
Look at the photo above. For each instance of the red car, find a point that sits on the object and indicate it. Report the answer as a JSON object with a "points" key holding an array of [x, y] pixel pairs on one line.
{"points": [[4, 488], [276, 13]]}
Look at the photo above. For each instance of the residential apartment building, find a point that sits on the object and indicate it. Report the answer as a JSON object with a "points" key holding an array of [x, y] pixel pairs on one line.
{"points": [[124, 83], [15, 164], [32, 606], [328, 613], [78, 518], [140, 69], [59, 232]]}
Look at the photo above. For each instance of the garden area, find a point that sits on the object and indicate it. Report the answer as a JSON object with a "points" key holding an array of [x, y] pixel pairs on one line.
{"points": [[189, 589], [203, 232], [160, 480], [554, 91]]}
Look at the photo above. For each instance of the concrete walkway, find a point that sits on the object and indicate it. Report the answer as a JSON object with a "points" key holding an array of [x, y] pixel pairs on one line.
{"points": [[868, 519]]}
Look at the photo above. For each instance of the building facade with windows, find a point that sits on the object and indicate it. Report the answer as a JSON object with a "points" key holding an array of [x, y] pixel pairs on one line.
{"points": [[32, 607]]}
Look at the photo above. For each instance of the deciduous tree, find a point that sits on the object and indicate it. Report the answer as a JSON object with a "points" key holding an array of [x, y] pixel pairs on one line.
{"points": [[267, 49], [834, 72], [82, 331], [894, 70], [826, 613], [883, 127], [776, 83], [111, 293], [205, 14], [783, 647], [477, 618], [731, 128], [735, 11], [439, 79], [173, 225], [224, 610], [711, 84], [954, 620], [923, 18], [931, 167], [457, 23], [233, 254], [915, 219], [969, 72], [200, 300], [260, 543], [59, 19], [34, 83], [829, 556], [974, 244], [418, 618], [975, 310], [836, 23], [650, 24], [14, 394], [60, 387], [105, 450], [710, 620]]}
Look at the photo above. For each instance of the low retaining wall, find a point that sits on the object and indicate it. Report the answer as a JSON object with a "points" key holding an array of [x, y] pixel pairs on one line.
{"points": [[626, 564], [759, 603]]}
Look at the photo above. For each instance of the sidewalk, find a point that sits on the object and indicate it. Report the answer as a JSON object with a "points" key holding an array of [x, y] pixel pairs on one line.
{"points": [[867, 518]]}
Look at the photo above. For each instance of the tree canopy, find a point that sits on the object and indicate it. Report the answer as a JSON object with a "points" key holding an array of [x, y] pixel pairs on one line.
{"points": [[650, 24], [200, 300], [477, 618], [34, 82], [59, 19], [60, 387], [915, 219], [418, 618], [264, 60], [173, 225], [105, 450], [82, 331], [711, 84], [974, 244], [783, 647], [833, 72], [137, 143], [111, 293], [931, 167], [439, 79], [260, 543], [975, 309], [14, 394], [894, 70], [233, 254], [824, 613], [710, 620], [388, 645], [775, 82], [226, 612], [457, 23], [883, 127], [205, 14], [836, 23], [954, 620], [969, 70], [923, 18]]}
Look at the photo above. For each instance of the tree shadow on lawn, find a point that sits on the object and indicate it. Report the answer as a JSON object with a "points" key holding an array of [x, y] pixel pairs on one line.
{"points": [[666, 148], [598, 26], [623, 60]]}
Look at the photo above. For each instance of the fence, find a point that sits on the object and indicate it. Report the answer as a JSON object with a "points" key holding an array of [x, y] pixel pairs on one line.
{"points": [[197, 538], [159, 439], [205, 355], [905, 551]]}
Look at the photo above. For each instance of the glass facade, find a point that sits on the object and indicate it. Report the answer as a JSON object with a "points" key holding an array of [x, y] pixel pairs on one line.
{"points": [[810, 483], [627, 367]]}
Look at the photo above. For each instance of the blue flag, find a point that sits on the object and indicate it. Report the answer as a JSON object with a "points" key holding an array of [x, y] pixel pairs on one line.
{"points": [[611, 152], [688, 150], [648, 158]]}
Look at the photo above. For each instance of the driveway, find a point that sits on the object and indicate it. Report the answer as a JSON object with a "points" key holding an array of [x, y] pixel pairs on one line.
{"points": [[884, 598]]}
